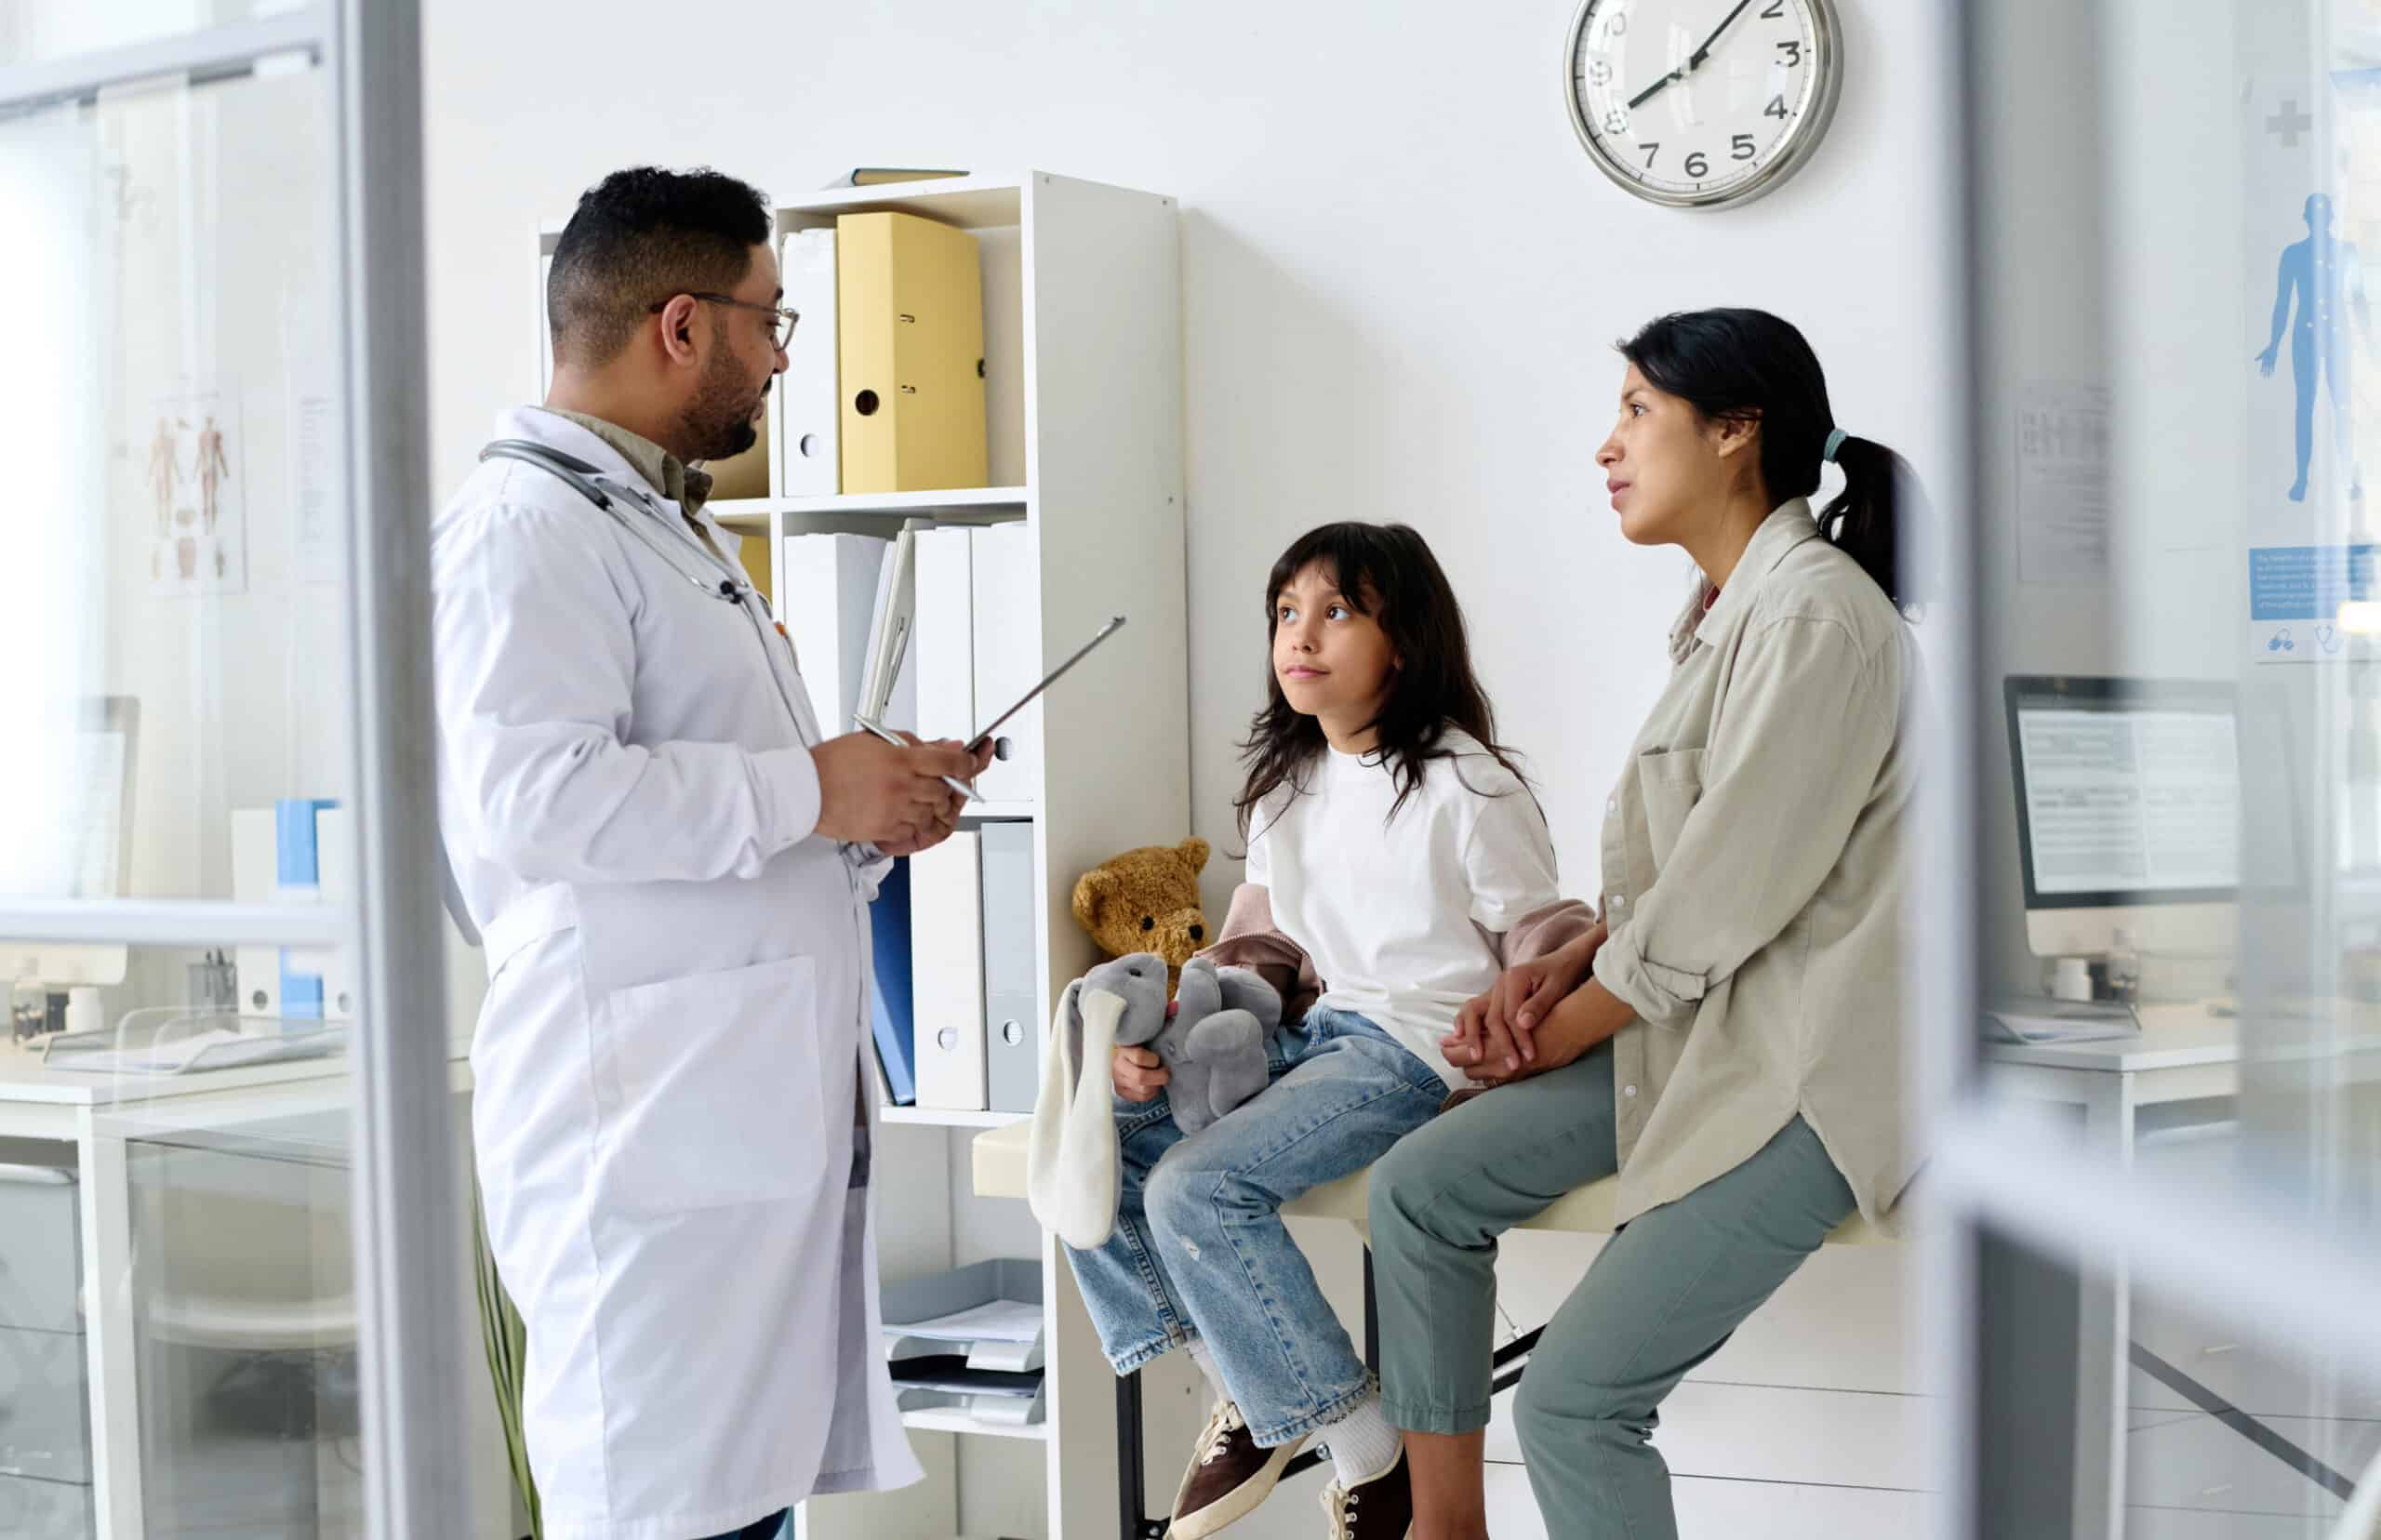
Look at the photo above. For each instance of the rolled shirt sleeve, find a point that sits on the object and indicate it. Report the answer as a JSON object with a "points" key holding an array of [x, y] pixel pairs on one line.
{"points": [[1810, 719]]}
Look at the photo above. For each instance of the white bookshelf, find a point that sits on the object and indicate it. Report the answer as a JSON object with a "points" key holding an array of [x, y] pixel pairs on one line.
{"points": [[1083, 343]]}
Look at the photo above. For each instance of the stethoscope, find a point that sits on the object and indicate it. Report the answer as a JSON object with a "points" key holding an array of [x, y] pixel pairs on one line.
{"points": [[715, 578]]}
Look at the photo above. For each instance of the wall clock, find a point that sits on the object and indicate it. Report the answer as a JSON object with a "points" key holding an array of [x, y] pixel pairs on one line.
{"points": [[1702, 103]]}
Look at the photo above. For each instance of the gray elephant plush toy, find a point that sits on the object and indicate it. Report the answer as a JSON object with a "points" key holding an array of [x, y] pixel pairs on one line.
{"points": [[1213, 1046], [1212, 1042]]}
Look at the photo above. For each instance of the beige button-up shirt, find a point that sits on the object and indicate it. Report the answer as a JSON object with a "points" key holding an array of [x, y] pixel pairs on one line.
{"points": [[1753, 870]]}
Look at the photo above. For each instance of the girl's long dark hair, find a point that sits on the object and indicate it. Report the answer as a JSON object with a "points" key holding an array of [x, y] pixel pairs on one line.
{"points": [[1747, 364], [1385, 571]]}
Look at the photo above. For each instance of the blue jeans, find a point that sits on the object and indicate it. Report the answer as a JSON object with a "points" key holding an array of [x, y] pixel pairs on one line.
{"points": [[762, 1529], [1200, 1249]]}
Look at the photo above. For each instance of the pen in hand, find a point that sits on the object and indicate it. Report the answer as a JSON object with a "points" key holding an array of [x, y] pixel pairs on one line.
{"points": [[897, 741]]}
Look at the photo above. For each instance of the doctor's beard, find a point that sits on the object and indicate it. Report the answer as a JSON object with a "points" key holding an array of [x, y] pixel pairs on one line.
{"points": [[719, 420]]}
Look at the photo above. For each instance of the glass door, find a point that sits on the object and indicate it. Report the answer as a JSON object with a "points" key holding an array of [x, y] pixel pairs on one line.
{"points": [[219, 880], [2162, 797]]}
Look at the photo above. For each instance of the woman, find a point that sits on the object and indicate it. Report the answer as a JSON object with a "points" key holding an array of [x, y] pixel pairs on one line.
{"points": [[1729, 1039]]}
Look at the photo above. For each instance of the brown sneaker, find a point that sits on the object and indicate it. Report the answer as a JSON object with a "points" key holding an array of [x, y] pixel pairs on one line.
{"points": [[1229, 1476], [1381, 1509]]}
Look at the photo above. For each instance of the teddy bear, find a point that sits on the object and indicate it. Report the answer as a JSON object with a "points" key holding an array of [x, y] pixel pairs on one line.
{"points": [[1211, 1039], [1147, 900]]}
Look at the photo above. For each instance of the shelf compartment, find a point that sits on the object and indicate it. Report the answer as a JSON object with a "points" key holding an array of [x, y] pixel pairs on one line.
{"points": [[954, 1419], [945, 1117]]}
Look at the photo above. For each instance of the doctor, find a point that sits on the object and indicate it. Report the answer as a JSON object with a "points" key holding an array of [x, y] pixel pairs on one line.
{"points": [[670, 862]]}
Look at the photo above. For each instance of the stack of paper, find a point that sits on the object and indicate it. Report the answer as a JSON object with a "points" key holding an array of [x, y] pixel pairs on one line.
{"points": [[2040, 1021]]}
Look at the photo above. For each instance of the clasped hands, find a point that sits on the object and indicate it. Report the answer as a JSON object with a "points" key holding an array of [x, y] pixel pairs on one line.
{"points": [[1531, 1019]]}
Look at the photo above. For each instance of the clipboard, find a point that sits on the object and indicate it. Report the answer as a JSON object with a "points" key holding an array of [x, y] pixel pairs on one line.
{"points": [[976, 744]]}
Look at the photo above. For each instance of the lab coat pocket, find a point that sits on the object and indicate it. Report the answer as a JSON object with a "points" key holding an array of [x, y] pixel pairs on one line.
{"points": [[717, 1078], [1671, 783]]}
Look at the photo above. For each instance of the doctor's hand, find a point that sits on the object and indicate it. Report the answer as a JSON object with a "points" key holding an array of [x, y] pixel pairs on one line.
{"points": [[939, 825], [871, 792], [1138, 1075]]}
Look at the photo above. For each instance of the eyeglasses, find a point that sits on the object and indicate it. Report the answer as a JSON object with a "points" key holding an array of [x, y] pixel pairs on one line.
{"points": [[787, 319]]}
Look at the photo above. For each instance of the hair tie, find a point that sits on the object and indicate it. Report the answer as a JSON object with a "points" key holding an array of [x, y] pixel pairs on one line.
{"points": [[1834, 442]]}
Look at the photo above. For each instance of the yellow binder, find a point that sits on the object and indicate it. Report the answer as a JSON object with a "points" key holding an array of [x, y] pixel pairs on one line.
{"points": [[910, 320]]}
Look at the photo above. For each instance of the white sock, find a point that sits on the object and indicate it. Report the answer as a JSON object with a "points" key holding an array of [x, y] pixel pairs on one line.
{"points": [[1362, 1444], [1206, 1362]]}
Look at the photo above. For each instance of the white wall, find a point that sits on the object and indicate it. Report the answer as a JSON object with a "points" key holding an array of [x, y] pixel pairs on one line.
{"points": [[1401, 279], [1401, 276]]}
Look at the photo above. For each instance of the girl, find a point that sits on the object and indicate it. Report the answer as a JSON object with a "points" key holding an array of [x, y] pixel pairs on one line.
{"points": [[1395, 852], [1735, 1053]]}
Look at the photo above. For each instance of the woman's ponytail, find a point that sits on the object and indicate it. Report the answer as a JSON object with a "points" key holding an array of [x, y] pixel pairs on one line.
{"points": [[1865, 520]]}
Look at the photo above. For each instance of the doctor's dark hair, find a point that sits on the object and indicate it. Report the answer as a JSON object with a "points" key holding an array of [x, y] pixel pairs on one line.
{"points": [[638, 237], [1388, 571], [1749, 364]]}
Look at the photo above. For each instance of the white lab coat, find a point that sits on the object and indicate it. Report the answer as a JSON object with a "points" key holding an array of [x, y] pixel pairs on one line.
{"points": [[667, 1065]]}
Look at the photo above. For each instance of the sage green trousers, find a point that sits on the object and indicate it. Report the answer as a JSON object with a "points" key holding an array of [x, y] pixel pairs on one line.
{"points": [[1662, 1296]]}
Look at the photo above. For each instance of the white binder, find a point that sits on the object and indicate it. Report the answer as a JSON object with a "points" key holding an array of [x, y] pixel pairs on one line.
{"points": [[947, 972], [1008, 624], [813, 459], [335, 856], [826, 592], [545, 328], [1012, 1010], [255, 866], [888, 680], [944, 652]]}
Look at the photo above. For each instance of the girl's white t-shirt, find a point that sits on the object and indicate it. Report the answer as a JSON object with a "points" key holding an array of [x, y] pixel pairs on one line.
{"points": [[1400, 915]]}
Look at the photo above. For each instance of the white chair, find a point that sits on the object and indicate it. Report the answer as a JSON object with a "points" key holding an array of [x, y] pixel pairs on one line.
{"points": [[1000, 1162]]}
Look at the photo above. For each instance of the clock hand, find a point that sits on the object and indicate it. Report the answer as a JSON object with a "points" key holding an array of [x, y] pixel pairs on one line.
{"points": [[1694, 61], [1656, 87]]}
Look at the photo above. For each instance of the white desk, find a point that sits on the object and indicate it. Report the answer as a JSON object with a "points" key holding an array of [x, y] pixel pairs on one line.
{"points": [[98, 1114], [2185, 1054]]}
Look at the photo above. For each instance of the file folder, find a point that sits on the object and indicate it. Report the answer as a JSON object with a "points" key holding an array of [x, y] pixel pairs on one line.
{"points": [[812, 418], [827, 591], [944, 651], [1012, 1048], [335, 864], [545, 326], [893, 1012], [909, 333], [947, 972], [889, 688], [1006, 618], [299, 875], [255, 880], [278, 856]]}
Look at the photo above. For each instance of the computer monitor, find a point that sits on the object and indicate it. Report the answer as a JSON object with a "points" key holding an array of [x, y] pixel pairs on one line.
{"points": [[2128, 814]]}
